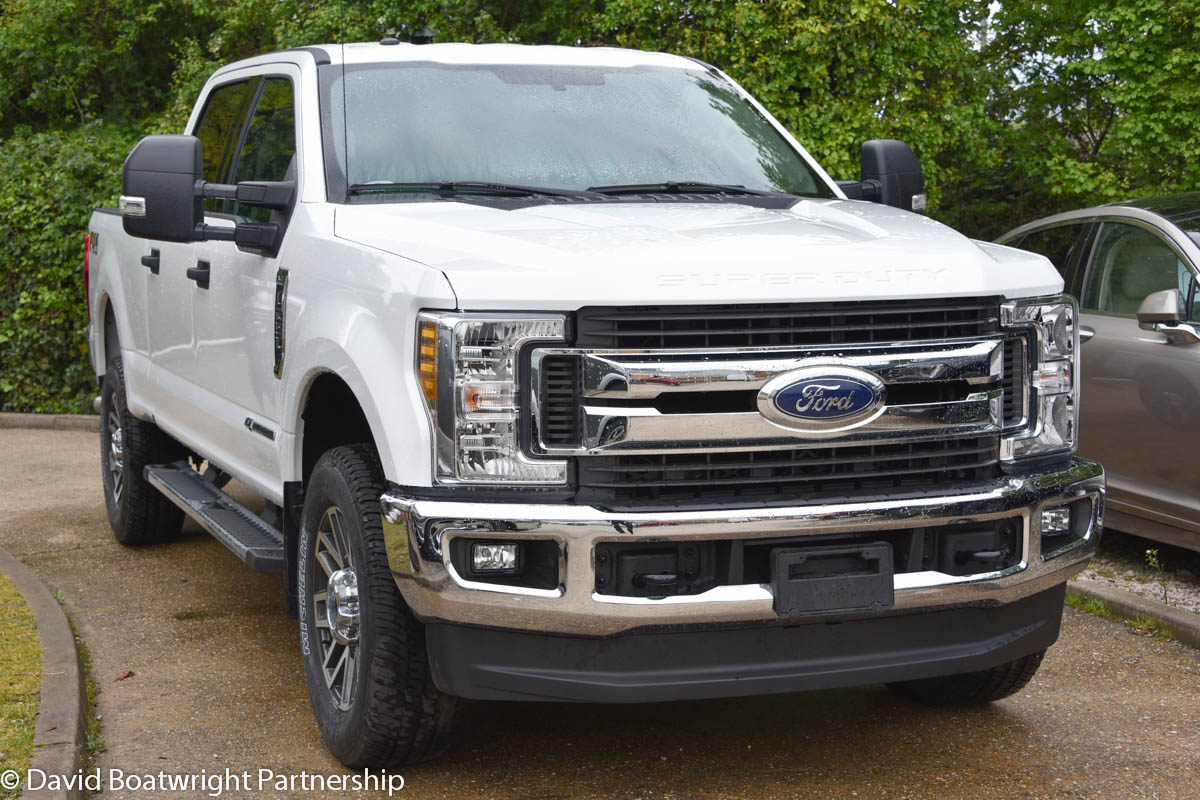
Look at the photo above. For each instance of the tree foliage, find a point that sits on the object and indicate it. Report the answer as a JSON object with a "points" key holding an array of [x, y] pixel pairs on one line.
{"points": [[1041, 106]]}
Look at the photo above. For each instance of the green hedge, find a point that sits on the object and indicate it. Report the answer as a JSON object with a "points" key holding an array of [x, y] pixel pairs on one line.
{"points": [[49, 184]]}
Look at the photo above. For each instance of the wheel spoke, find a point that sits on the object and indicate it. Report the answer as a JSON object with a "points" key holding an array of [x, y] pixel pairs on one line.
{"points": [[339, 668], [339, 536], [348, 677], [326, 561], [331, 547], [334, 647]]}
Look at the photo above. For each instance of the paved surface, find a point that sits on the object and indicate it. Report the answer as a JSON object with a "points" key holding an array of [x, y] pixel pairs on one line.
{"points": [[218, 683]]}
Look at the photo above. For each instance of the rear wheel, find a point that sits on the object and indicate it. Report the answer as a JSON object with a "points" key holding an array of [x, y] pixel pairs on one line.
{"points": [[972, 688], [364, 652], [137, 512]]}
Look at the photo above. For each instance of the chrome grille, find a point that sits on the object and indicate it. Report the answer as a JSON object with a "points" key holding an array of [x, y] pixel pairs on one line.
{"points": [[658, 405]]}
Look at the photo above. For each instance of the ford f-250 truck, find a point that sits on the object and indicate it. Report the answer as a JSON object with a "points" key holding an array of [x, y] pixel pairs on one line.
{"points": [[568, 374]]}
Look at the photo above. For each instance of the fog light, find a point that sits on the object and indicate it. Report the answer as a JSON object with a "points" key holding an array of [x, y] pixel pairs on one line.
{"points": [[494, 557], [1056, 521]]}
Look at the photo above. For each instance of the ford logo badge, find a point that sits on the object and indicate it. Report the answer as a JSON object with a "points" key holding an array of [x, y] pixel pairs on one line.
{"points": [[822, 399]]}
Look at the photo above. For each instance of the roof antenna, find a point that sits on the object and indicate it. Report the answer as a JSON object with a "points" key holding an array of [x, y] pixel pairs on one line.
{"points": [[423, 36]]}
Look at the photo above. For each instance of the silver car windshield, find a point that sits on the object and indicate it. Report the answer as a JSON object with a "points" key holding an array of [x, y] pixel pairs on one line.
{"points": [[559, 127]]}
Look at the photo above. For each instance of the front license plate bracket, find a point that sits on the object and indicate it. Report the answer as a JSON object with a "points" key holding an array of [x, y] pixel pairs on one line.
{"points": [[844, 578]]}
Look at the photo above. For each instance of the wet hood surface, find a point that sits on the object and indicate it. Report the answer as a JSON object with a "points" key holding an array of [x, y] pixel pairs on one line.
{"points": [[562, 256]]}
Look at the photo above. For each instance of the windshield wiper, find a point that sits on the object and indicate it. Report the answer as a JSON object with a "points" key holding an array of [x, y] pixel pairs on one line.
{"points": [[462, 187], [681, 187]]}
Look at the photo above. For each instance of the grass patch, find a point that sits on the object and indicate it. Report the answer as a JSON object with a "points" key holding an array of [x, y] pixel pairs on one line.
{"points": [[20, 681], [95, 742], [1145, 625]]}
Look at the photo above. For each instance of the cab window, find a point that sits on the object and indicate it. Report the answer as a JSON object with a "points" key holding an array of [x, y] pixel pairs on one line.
{"points": [[218, 128], [1130, 263], [269, 148]]}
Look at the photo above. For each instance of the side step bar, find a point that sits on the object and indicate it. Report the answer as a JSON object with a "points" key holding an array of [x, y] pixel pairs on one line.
{"points": [[235, 526]]}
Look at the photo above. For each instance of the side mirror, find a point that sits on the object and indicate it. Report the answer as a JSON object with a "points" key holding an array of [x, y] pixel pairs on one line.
{"points": [[1162, 306], [158, 199], [163, 191], [891, 174], [1162, 312]]}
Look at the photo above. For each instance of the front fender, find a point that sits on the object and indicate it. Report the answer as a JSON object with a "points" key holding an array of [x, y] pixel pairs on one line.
{"points": [[364, 334]]}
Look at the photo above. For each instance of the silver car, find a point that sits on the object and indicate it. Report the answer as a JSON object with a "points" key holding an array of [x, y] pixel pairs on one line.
{"points": [[1134, 268]]}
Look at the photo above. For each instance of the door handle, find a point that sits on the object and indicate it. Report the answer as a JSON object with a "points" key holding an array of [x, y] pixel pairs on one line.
{"points": [[200, 273], [151, 261], [1086, 333]]}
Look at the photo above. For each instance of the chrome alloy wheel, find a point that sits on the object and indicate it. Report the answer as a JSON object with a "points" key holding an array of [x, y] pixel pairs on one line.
{"points": [[116, 454], [336, 608]]}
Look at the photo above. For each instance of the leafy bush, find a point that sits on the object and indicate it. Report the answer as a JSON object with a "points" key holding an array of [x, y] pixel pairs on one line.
{"points": [[49, 184]]}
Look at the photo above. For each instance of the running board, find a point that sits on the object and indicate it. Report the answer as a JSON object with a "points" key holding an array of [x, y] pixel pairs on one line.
{"points": [[235, 526]]}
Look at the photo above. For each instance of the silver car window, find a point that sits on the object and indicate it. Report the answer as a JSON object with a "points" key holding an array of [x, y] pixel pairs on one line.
{"points": [[1130, 263]]}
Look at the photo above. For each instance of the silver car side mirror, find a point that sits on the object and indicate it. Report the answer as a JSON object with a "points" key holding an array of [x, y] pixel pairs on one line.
{"points": [[1160, 312]]}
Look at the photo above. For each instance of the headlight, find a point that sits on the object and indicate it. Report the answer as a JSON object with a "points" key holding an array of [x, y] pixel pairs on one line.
{"points": [[467, 366], [1053, 325]]}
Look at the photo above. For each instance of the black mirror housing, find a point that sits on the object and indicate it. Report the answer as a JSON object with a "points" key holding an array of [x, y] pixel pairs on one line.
{"points": [[892, 175], [158, 198]]}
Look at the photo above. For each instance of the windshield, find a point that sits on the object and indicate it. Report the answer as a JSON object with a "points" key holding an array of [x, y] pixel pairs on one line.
{"points": [[560, 127]]}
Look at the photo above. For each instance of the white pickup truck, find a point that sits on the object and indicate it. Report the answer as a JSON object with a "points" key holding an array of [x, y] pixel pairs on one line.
{"points": [[568, 374]]}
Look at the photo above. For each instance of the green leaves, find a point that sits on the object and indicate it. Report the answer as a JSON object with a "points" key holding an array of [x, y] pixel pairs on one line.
{"points": [[49, 183]]}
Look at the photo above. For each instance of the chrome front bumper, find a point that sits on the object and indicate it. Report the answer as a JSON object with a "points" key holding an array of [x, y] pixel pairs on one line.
{"points": [[418, 532]]}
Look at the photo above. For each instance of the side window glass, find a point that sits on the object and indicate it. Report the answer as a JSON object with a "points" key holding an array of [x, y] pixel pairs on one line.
{"points": [[1055, 244], [1129, 264], [269, 150], [218, 129]]}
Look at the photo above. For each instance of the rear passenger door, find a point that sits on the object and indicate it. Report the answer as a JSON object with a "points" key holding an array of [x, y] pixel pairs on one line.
{"points": [[169, 290]]}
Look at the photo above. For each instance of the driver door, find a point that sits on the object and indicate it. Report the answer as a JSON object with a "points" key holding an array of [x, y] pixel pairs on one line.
{"points": [[234, 318]]}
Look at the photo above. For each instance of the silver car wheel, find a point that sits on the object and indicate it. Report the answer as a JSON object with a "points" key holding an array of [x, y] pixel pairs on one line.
{"points": [[336, 608]]}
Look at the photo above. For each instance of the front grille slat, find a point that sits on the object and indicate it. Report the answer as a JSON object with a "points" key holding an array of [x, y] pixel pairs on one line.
{"points": [[767, 324], [561, 415], [778, 463], [1014, 381], [786, 476]]}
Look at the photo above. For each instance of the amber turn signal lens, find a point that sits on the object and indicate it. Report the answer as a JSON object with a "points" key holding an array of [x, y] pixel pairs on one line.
{"points": [[427, 361]]}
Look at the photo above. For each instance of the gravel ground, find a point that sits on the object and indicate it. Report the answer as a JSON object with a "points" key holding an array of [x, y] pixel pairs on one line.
{"points": [[1122, 563], [199, 669]]}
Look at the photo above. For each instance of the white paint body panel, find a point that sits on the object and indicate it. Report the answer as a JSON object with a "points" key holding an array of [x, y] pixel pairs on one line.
{"points": [[358, 274]]}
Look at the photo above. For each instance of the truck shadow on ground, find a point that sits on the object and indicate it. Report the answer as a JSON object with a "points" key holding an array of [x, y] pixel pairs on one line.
{"points": [[859, 737]]}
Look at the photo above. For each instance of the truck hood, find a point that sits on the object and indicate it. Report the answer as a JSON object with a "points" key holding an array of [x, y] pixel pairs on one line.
{"points": [[563, 256]]}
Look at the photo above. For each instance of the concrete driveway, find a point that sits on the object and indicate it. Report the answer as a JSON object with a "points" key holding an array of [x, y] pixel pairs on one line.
{"points": [[217, 682]]}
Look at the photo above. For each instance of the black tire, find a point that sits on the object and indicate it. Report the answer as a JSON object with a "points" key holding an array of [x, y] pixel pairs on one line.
{"points": [[972, 688], [392, 714], [137, 512]]}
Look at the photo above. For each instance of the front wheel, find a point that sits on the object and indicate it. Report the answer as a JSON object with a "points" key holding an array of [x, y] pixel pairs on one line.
{"points": [[972, 688], [364, 651]]}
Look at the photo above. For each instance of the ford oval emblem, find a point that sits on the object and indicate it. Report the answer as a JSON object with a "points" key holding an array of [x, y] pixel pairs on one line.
{"points": [[822, 399]]}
